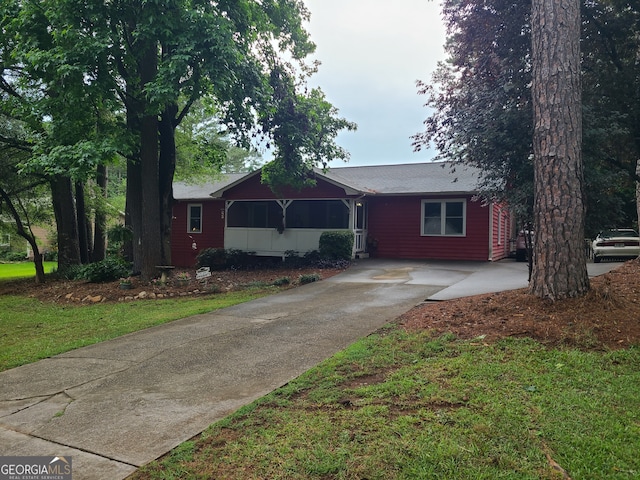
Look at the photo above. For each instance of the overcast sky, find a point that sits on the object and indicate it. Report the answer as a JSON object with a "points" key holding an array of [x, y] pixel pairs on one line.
{"points": [[372, 53]]}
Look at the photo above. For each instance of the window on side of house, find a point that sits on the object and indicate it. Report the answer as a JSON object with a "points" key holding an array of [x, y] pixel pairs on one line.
{"points": [[254, 214], [194, 218], [320, 214], [444, 217]]}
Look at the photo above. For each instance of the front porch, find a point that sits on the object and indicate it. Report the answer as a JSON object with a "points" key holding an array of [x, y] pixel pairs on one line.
{"points": [[279, 227]]}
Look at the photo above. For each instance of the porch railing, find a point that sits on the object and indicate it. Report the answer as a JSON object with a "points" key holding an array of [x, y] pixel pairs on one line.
{"points": [[359, 241]]}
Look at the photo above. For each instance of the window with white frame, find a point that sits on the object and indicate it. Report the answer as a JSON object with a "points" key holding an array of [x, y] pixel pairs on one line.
{"points": [[194, 218], [444, 217]]}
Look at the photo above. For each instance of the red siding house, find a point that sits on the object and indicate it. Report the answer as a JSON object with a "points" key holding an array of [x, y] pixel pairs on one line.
{"points": [[412, 211]]}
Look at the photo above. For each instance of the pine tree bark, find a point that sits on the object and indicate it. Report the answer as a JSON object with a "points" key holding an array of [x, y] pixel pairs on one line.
{"points": [[559, 269]]}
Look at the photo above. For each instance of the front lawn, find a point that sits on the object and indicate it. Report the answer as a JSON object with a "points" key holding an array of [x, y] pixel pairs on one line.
{"points": [[410, 406], [401, 404], [23, 269], [33, 330]]}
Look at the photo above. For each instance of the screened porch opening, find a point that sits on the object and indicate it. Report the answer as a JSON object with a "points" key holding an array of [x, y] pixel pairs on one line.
{"points": [[273, 227], [320, 214], [254, 214]]}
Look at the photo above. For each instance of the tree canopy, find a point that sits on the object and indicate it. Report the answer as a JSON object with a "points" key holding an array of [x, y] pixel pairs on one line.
{"points": [[98, 78], [482, 115]]}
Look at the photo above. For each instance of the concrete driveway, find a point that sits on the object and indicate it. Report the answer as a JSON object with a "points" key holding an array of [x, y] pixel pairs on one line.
{"points": [[117, 405]]}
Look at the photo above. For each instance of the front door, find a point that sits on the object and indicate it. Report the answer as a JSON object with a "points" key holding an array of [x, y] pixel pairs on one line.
{"points": [[360, 226]]}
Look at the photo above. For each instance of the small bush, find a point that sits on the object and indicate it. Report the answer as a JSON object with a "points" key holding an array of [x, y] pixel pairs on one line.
{"points": [[72, 272], [107, 270], [214, 258], [11, 256], [117, 236], [212, 288], [293, 259], [336, 245], [278, 282], [308, 278], [50, 256], [333, 263], [220, 259], [312, 257], [239, 258]]}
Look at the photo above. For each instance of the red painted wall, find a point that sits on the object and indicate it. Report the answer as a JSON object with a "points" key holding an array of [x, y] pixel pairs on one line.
{"points": [[501, 225], [395, 223], [212, 235], [252, 189]]}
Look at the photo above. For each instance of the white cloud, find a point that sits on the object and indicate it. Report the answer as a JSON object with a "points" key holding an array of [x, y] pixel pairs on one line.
{"points": [[372, 53]]}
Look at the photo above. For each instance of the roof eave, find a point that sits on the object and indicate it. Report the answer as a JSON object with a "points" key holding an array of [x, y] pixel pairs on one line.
{"points": [[348, 189], [424, 194]]}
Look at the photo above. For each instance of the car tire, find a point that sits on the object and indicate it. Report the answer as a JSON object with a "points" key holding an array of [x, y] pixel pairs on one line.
{"points": [[596, 259]]}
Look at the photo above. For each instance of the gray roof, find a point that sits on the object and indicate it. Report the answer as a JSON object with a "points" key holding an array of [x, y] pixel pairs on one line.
{"points": [[403, 179], [409, 178], [202, 191]]}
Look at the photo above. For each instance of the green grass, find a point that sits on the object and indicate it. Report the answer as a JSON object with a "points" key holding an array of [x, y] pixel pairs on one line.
{"points": [[407, 406], [23, 269], [394, 405], [31, 330]]}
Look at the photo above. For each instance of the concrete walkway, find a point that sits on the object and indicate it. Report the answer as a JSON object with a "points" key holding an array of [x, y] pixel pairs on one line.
{"points": [[120, 404]]}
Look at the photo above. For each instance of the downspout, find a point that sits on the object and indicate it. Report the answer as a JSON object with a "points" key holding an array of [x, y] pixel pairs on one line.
{"points": [[491, 206]]}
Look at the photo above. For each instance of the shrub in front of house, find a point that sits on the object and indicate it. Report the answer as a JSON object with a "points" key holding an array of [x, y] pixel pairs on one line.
{"points": [[336, 245], [220, 259], [315, 259], [214, 258], [107, 270], [308, 278], [240, 259]]}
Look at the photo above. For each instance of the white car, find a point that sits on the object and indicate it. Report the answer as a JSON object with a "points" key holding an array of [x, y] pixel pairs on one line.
{"points": [[616, 243]]}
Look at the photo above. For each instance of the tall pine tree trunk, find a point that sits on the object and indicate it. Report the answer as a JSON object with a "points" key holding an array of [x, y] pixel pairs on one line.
{"points": [[559, 269]]}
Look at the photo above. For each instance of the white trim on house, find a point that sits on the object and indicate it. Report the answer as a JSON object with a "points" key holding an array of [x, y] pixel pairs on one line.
{"points": [[442, 228], [190, 218]]}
